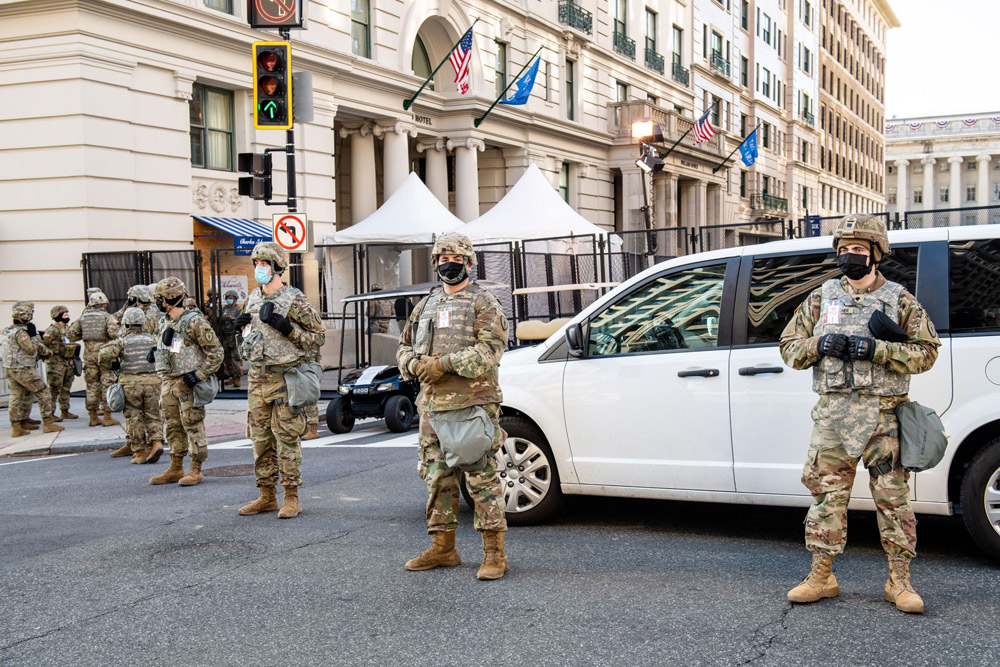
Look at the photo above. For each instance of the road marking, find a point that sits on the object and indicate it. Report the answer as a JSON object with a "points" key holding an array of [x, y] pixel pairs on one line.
{"points": [[337, 440], [44, 458]]}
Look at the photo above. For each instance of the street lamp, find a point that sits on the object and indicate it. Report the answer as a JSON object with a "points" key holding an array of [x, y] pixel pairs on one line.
{"points": [[648, 132]]}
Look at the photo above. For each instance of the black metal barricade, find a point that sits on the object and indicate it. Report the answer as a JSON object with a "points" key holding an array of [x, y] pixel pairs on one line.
{"points": [[716, 237]]}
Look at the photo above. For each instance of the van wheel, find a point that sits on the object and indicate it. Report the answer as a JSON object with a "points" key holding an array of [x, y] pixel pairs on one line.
{"points": [[981, 499], [399, 413], [528, 475], [339, 418]]}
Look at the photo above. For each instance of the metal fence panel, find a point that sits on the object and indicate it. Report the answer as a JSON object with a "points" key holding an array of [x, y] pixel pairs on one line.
{"points": [[716, 237], [113, 273], [952, 217]]}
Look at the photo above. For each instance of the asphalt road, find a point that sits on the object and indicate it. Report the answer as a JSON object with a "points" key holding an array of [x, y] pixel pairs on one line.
{"points": [[100, 568]]}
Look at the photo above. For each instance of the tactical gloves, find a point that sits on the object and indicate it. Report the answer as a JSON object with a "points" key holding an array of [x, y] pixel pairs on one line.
{"points": [[834, 345], [429, 369], [279, 322], [191, 379], [243, 320], [32, 331], [861, 348]]}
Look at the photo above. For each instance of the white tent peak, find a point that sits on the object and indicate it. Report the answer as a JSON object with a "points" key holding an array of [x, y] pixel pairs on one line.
{"points": [[411, 215]]}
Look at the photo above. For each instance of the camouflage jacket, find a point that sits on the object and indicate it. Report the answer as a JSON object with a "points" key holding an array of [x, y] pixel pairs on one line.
{"points": [[201, 334], [21, 350], [470, 363], [75, 332], [55, 338], [308, 332]]}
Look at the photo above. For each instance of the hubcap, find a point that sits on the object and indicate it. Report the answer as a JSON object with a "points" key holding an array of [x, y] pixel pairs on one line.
{"points": [[991, 500], [525, 474]]}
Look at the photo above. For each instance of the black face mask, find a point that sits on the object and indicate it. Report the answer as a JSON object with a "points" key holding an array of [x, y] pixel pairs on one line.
{"points": [[64, 319], [452, 272], [855, 266], [131, 301]]}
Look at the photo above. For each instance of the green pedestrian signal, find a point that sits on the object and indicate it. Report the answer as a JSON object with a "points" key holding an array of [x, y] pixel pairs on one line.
{"points": [[272, 87]]}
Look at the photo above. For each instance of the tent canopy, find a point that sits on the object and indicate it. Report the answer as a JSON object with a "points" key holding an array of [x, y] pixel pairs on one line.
{"points": [[531, 210], [411, 215]]}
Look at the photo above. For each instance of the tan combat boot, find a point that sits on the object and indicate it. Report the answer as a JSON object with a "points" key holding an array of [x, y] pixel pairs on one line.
{"points": [[311, 433], [66, 414], [124, 450], [94, 421], [108, 421], [153, 455], [290, 505], [194, 474], [55, 418], [138, 457], [898, 588], [494, 558], [441, 553], [32, 422], [819, 584], [49, 426], [17, 429], [26, 423], [266, 502], [172, 474]]}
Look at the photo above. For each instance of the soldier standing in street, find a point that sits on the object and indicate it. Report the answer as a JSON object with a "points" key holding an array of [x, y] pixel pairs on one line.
{"points": [[860, 380], [453, 342], [233, 364], [59, 367], [141, 385], [95, 327], [187, 353], [283, 328], [21, 349], [141, 297]]}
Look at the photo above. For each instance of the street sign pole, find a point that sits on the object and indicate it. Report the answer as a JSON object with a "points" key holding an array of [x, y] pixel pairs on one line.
{"points": [[290, 150]]}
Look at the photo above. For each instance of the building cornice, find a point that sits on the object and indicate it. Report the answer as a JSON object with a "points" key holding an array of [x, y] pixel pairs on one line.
{"points": [[890, 16]]}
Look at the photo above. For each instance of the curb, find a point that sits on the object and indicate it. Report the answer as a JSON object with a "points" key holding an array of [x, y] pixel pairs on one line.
{"points": [[82, 447]]}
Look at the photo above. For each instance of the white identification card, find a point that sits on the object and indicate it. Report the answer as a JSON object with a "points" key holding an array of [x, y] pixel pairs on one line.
{"points": [[175, 347], [444, 318], [246, 330], [833, 313]]}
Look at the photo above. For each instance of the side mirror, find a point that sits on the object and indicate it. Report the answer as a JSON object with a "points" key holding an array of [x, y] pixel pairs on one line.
{"points": [[574, 340]]}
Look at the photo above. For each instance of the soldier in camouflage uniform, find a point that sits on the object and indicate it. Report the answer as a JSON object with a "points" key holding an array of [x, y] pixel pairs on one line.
{"points": [[59, 367], [141, 385], [283, 342], [21, 349], [233, 364], [860, 381], [187, 352], [141, 297], [453, 342], [95, 327]]}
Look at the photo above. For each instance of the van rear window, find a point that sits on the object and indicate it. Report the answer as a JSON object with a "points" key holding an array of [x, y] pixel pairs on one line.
{"points": [[974, 281]]}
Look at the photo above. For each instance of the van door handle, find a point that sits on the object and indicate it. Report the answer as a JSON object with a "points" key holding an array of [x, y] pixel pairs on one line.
{"points": [[699, 372], [757, 370]]}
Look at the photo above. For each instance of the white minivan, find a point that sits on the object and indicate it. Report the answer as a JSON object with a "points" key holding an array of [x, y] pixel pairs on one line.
{"points": [[671, 385]]}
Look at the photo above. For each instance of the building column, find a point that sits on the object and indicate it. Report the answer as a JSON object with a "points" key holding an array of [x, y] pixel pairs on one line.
{"points": [[983, 186], [466, 176], [660, 197], [955, 189], [713, 209], [928, 163], [670, 201], [436, 171], [700, 204], [395, 154], [363, 201], [902, 187]]}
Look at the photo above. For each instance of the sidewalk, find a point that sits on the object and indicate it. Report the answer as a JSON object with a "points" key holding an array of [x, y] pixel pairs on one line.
{"points": [[222, 417]]}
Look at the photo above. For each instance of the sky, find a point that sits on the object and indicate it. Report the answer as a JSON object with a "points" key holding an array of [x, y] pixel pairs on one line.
{"points": [[942, 60]]}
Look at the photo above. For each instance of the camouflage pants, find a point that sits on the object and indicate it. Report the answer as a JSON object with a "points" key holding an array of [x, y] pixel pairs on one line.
{"points": [[442, 482], [829, 476], [274, 430], [312, 414], [185, 424], [25, 385], [142, 414], [96, 399], [59, 374], [233, 362]]}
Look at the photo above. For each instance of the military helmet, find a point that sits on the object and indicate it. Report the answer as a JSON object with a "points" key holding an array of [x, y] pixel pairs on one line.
{"points": [[23, 311], [92, 291], [170, 288], [133, 317], [271, 252], [190, 303], [232, 293], [140, 293], [453, 243], [97, 299], [869, 228], [57, 311]]}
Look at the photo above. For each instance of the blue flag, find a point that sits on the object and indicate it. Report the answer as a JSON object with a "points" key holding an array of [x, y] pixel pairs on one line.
{"points": [[524, 85], [748, 149]]}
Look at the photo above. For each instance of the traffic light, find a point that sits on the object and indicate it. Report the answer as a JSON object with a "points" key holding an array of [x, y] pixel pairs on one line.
{"points": [[258, 185], [272, 85]]}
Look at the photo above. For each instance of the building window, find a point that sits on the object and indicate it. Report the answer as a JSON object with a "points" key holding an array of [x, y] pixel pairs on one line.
{"points": [[918, 195], [745, 15], [716, 110], [805, 197], [211, 112], [222, 5], [743, 184], [501, 68], [765, 185], [806, 60], [564, 182], [650, 31], [970, 166], [621, 91], [570, 89], [891, 196], [744, 71], [766, 29], [807, 13], [805, 151], [743, 125], [420, 63], [943, 194], [970, 193], [678, 41], [621, 11], [996, 192], [765, 135], [765, 83], [360, 28]]}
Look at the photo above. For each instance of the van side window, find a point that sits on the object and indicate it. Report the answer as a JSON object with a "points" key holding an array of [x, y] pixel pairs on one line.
{"points": [[974, 279], [779, 284]]}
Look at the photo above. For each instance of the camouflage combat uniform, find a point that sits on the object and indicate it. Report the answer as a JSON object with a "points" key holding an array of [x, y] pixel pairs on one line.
{"points": [[59, 367], [312, 411], [854, 417], [21, 351], [233, 363], [95, 328]]}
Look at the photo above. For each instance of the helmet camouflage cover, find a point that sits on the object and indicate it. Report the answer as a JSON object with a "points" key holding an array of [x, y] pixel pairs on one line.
{"points": [[92, 290], [140, 293], [190, 303], [453, 243], [97, 299], [23, 311], [133, 317], [170, 287], [233, 294], [868, 228], [57, 311], [271, 252]]}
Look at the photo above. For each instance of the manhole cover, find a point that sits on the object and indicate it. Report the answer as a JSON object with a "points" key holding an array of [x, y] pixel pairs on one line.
{"points": [[186, 553], [228, 471]]}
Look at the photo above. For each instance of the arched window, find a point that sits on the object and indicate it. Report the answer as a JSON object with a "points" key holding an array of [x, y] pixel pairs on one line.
{"points": [[420, 63]]}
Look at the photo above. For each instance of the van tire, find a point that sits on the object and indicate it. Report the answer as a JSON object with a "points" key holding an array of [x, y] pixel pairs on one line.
{"points": [[981, 513]]}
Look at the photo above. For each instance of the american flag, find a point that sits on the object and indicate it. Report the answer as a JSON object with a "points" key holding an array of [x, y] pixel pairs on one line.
{"points": [[460, 59], [703, 130]]}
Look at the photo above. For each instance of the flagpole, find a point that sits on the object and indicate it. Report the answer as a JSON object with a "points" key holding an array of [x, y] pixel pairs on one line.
{"points": [[670, 150], [512, 82], [407, 103], [719, 166]]}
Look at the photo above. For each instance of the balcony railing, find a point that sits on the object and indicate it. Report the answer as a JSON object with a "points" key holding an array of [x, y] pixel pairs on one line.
{"points": [[681, 74], [575, 16], [719, 64], [621, 115], [809, 118], [768, 203], [624, 45], [654, 61]]}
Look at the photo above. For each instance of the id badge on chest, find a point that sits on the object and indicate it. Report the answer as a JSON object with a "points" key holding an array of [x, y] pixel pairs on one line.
{"points": [[832, 310], [176, 346], [444, 317]]}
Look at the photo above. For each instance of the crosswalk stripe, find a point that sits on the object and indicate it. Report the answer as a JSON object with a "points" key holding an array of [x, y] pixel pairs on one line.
{"points": [[336, 440]]}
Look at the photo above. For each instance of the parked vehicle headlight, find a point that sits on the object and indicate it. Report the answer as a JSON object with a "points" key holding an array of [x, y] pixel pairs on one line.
{"points": [[344, 389], [385, 386]]}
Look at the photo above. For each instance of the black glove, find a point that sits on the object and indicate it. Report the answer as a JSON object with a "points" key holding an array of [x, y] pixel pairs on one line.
{"points": [[190, 379], [884, 328], [168, 336], [32, 331], [834, 345], [862, 348], [116, 365], [76, 352], [243, 320], [151, 355], [280, 322]]}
